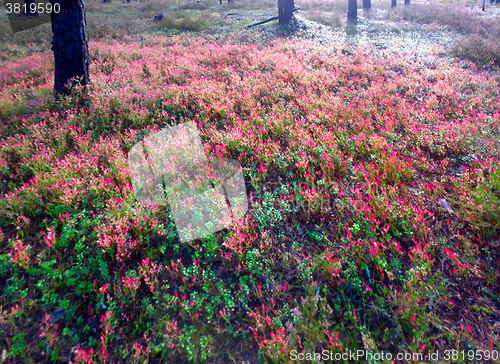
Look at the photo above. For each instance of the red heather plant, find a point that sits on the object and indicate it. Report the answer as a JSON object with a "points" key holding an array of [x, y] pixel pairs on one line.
{"points": [[49, 332], [332, 264], [241, 236], [107, 321], [149, 271], [130, 285], [131, 282], [464, 268], [50, 237], [310, 319], [83, 356], [171, 333], [378, 140], [141, 353], [114, 237], [20, 252], [313, 201]]}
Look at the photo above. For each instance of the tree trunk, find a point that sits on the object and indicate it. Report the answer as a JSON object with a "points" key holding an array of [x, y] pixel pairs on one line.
{"points": [[367, 4], [352, 9], [70, 44], [407, 2], [393, 3], [28, 7], [285, 11]]}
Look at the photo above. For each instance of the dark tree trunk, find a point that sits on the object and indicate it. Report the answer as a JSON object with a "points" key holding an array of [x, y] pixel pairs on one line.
{"points": [[367, 4], [28, 7], [407, 2], [70, 44], [352, 9], [285, 11], [393, 3]]}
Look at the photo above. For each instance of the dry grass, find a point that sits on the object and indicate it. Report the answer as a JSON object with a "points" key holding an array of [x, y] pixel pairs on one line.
{"points": [[335, 20], [184, 21], [454, 17], [480, 31], [483, 50], [323, 5], [253, 5]]}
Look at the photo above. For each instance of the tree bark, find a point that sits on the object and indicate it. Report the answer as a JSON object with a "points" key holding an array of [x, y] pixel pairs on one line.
{"points": [[285, 11], [70, 44], [393, 3], [28, 8], [352, 9], [367, 4]]}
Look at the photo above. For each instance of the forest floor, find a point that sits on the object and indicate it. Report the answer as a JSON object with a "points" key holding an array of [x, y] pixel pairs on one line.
{"points": [[371, 158]]}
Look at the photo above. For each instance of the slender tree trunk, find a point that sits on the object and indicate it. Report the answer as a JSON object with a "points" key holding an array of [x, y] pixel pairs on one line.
{"points": [[393, 3], [28, 7], [70, 44], [407, 2], [285, 11], [352, 9], [367, 4]]}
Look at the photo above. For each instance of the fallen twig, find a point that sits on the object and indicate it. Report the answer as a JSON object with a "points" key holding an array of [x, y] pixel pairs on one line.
{"points": [[270, 19], [265, 21]]}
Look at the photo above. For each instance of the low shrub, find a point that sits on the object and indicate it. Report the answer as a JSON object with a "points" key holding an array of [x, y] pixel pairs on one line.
{"points": [[184, 21], [477, 49]]}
